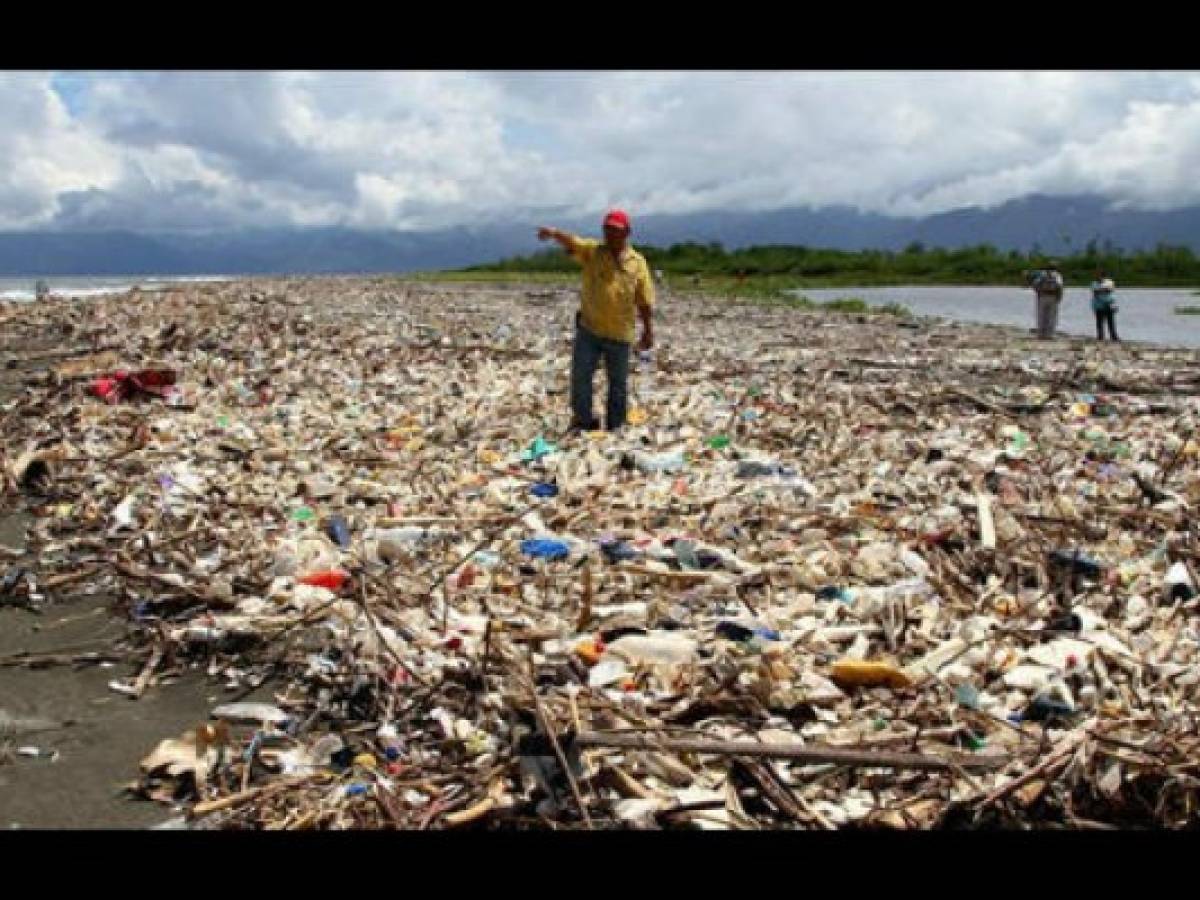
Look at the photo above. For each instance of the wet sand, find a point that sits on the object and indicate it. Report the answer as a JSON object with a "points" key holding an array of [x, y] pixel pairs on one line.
{"points": [[99, 753]]}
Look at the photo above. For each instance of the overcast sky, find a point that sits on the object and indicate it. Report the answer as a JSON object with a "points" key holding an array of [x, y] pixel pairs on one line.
{"points": [[198, 150]]}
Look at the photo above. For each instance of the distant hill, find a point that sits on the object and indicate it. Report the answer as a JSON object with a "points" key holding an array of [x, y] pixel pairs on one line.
{"points": [[1057, 225]]}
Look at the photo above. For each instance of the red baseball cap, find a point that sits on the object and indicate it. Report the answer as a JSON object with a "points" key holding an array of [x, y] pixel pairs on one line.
{"points": [[618, 218]]}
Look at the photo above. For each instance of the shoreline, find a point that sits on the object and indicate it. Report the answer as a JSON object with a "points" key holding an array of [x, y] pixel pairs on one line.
{"points": [[498, 280]]}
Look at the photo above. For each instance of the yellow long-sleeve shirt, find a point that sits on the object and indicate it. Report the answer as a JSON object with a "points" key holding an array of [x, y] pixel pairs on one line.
{"points": [[612, 289]]}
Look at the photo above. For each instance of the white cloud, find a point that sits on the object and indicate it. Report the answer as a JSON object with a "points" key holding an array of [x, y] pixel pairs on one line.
{"points": [[436, 149], [43, 152]]}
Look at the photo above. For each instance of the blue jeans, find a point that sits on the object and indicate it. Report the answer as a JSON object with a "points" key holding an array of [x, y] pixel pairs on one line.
{"points": [[585, 357]]}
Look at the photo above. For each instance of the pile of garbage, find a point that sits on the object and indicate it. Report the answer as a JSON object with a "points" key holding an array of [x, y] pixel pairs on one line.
{"points": [[838, 572]]}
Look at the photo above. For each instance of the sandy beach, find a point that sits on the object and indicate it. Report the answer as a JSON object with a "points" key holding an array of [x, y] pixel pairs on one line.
{"points": [[394, 404]]}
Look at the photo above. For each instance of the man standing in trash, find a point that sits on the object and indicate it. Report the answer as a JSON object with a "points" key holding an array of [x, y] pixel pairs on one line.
{"points": [[1048, 286], [616, 286]]}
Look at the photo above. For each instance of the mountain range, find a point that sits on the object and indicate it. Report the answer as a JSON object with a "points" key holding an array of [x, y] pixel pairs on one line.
{"points": [[1057, 225]]}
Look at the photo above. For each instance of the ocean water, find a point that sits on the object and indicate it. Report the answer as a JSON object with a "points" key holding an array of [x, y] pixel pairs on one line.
{"points": [[1144, 314], [23, 287]]}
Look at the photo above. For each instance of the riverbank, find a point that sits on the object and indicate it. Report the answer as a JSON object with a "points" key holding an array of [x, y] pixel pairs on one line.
{"points": [[801, 491]]}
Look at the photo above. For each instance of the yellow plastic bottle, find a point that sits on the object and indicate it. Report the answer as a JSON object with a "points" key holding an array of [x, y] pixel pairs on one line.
{"points": [[860, 673]]}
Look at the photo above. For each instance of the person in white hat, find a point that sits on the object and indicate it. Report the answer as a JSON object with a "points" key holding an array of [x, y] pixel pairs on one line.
{"points": [[1104, 305]]}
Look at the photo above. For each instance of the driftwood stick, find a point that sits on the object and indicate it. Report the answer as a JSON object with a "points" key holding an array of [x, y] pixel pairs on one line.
{"points": [[808, 754], [558, 752], [211, 806], [147, 672], [1060, 756]]}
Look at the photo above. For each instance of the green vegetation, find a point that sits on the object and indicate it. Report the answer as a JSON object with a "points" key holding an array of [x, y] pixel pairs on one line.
{"points": [[778, 274], [847, 305], [800, 267], [1187, 310], [769, 290]]}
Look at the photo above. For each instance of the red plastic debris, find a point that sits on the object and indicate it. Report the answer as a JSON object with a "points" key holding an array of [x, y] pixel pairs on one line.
{"points": [[332, 579]]}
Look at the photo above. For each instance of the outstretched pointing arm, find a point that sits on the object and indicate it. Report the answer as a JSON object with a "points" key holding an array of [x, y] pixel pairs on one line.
{"points": [[568, 241]]}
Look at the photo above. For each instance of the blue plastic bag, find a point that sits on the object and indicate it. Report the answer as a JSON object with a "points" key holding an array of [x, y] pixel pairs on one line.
{"points": [[339, 531], [545, 548]]}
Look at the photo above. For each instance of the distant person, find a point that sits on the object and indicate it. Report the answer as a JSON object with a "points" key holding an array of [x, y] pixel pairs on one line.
{"points": [[1104, 305], [1047, 285], [617, 288], [41, 290]]}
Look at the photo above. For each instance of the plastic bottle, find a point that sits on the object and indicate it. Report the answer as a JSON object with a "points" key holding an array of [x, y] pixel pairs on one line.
{"points": [[390, 742], [860, 673], [395, 542], [663, 648], [737, 631], [652, 464], [933, 661], [685, 552], [758, 469], [647, 381], [197, 633]]}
